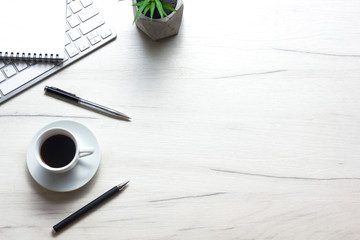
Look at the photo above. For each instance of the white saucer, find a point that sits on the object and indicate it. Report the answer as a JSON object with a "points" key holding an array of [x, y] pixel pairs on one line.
{"points": [[76, 177]]}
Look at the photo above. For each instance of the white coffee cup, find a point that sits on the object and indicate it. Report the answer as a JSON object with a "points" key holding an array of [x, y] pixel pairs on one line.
{"points": [[57, 150]]}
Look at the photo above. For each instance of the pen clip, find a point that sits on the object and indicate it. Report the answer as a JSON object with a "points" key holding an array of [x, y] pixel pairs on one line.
{"points": [[61, 93], [59, 90]]}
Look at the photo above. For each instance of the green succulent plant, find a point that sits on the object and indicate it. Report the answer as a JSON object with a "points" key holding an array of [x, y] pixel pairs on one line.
{"points": [[146, 5]]}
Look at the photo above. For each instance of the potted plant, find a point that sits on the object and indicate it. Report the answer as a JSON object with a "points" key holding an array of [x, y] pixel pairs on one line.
{"points": [[158, 18]]}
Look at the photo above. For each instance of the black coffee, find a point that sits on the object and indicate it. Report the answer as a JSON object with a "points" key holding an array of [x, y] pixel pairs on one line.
{"points": [[57, 151]]}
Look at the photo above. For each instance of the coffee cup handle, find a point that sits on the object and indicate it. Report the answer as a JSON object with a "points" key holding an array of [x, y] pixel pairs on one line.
{"points": [[86, 151]]}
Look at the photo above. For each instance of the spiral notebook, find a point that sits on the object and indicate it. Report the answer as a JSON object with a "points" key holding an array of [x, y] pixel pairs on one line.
{"points": [[32, 30]]}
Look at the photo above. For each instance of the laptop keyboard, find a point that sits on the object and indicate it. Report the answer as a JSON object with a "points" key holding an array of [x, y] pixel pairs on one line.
{"points": [[86, 30]]}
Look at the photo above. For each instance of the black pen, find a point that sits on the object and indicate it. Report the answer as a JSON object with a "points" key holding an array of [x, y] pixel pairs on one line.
{"points": [[53, 91], [89, 207]]}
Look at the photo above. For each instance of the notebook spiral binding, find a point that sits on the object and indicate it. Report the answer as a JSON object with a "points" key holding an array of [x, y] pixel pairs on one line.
{"points": [[29, 57]]}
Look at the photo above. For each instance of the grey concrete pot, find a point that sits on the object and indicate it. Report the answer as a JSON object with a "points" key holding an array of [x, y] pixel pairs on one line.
{"points": [[160, 28]]}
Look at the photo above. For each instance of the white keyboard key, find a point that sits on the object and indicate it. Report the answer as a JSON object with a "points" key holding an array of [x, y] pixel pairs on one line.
{"points": [[105, 33], [23, 77], [91, 24], [67, 28], [2, 77], [95, 40], [74, 34], [82, 44], [9, 70], [75, 6], [2, 64], [68, 12], [65, 58], [67, 40], [86, 3], [92, 34], [71, 49], [88, 13], [20, 66], [73, 21]]}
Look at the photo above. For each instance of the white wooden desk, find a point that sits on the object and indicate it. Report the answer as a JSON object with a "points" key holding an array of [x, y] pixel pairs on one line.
{"points": [[246, 125]]}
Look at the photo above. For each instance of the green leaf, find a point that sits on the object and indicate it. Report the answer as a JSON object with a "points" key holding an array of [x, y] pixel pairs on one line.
{"points": [[137, 4], [168, 7], [152, 9], [146, 9], [159, 8], [141, 8], [164, 12]]}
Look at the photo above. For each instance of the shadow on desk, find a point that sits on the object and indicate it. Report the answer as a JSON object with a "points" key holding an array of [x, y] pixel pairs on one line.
{"points": [[60, 197], [166, 47]]}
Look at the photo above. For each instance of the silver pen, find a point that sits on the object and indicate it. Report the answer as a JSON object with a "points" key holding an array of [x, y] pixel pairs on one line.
{"points": [[56, 92]]}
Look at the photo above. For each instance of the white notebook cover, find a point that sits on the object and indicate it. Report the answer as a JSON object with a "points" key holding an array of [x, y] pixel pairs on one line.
{"points": [[32, 27]]}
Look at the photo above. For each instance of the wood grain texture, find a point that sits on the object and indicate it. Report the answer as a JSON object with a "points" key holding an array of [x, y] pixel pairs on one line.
{"points": [[246, 125]]}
